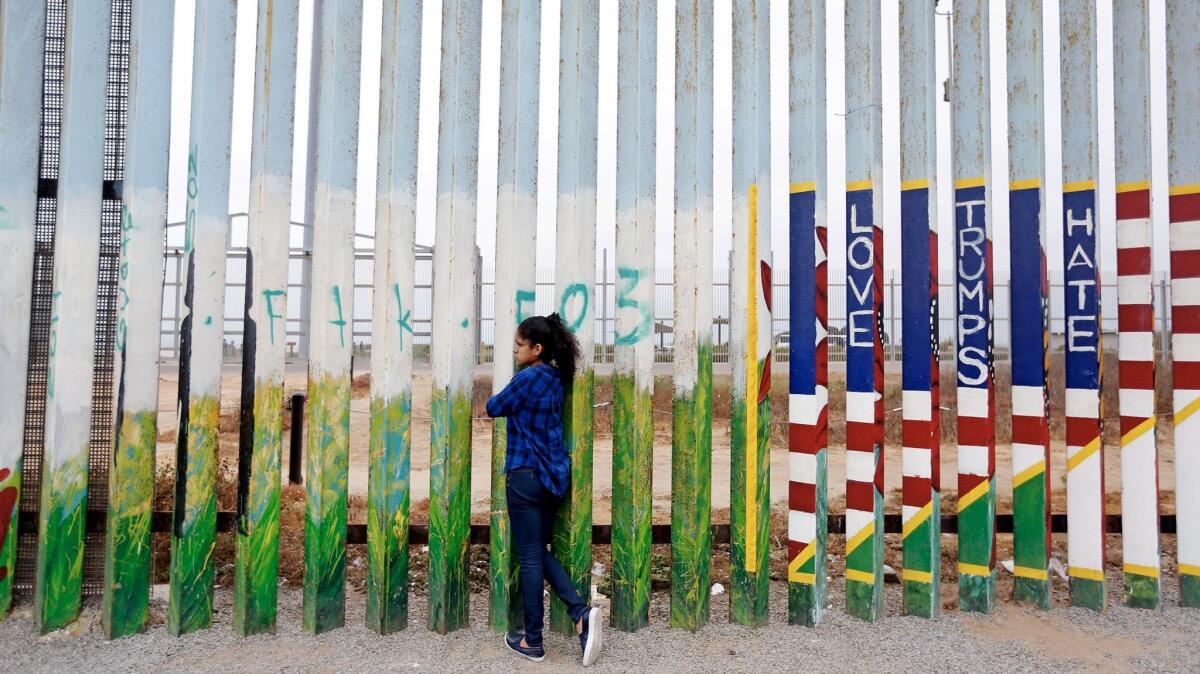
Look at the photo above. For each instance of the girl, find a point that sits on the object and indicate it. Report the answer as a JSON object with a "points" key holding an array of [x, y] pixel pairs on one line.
{"points": [[538, 469]]}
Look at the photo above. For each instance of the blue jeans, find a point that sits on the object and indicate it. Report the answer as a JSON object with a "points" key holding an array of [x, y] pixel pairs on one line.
{"points": [[531, 509]]}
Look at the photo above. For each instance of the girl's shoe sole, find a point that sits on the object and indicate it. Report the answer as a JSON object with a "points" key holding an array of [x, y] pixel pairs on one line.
{"points": [[591, 650]]}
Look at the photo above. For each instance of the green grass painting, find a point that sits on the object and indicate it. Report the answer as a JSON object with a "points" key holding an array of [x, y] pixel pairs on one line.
{"points": [[326, 475], [691, 499], [191, 593], [126, 596], [60, 542], [748, 586], [449, 510], [506, 609], [572, 537], [256, 572], [387, 514], [632, 502]]}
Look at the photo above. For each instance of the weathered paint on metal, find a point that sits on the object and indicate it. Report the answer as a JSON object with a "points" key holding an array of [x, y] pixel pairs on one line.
{"points": [[388, 479], [574, 279], [22, 38], [864, 313], [691, 437], [1183, 129], [1028, 301], [1135, 306], [260, 445], [72, 321], [971, 122], [453, 344], [633, 379], [333, 141], [202, 328], [808, 374], [516, 235], [126, 594], [921, 498], [750, 323], [1085, 460]]}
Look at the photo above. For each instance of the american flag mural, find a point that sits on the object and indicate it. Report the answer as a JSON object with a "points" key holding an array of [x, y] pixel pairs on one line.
{"points": [[808, 381], [973, 308], [1081, 298], [1135, 307], [1183, 116], [864, 314], [1028, 305], [921, 512]]}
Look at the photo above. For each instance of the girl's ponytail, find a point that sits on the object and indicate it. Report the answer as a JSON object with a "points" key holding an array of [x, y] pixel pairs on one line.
{"points": [[559, 346]]}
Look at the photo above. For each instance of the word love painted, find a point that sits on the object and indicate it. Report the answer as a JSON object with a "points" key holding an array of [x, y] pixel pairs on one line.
{"points": [[862, 319]]}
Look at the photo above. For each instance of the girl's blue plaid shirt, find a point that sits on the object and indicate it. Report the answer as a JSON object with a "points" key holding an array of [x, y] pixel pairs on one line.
{"points": [[533, 403]]}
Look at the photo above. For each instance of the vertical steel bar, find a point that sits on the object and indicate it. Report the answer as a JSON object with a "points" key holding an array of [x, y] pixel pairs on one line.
{"points": [[750, 341], [864, 313], [1135, 305], [633, 336], [72, 321], [691, 436], [296, 441], [1085, 457], [575, 279], [454, 290], [205, 237], [1028, 301], [140, 276], [516, 282], [971, 118], [337, 42], [1183, 115], [260, 445], [808, 369], [22, 39], [388, 488], [921, 502]]}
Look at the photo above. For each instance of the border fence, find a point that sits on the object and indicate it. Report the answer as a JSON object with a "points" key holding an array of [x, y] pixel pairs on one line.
{"points": [[110, 290]]}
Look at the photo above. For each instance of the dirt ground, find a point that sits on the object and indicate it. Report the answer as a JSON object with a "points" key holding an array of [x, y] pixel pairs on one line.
{"points": [[1010, 639]]}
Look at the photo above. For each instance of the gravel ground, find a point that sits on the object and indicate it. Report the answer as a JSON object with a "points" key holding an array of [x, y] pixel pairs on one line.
{"points": [[1010, 639]]}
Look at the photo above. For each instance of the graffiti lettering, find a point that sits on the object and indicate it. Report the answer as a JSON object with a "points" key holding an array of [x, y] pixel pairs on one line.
{"points": [[271, 315], [645, 327], [52, 347], [401, 315], [580, 290], [524, 296], [340, 321], [193, 188]]}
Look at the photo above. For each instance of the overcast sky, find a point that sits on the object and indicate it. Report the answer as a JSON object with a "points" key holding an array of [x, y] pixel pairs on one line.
{"points": [[244, 81]]}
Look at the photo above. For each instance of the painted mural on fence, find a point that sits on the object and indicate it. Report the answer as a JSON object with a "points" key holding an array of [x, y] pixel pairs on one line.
{"points": [[864, 404], [976, 401], [1085, 461]]}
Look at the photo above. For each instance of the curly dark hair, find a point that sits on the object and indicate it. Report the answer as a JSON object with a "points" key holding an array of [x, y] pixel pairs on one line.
{"points": [[559, 346]]}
